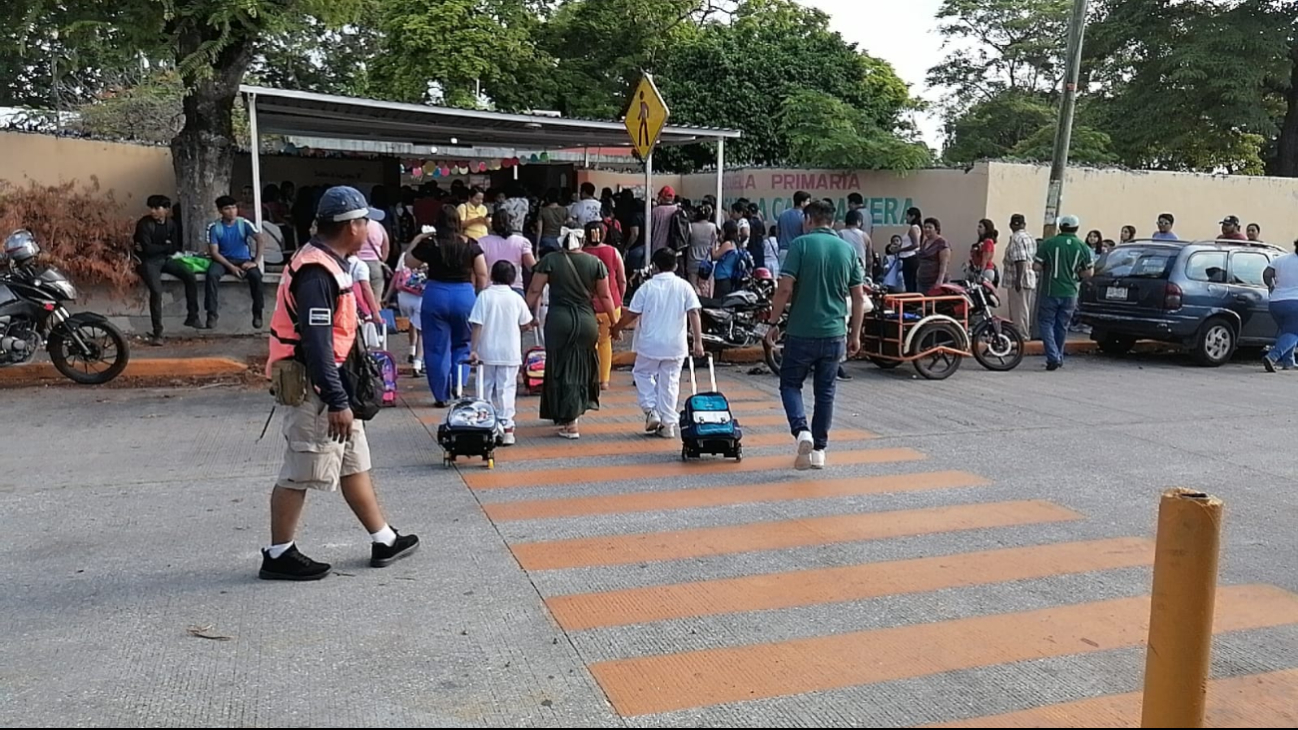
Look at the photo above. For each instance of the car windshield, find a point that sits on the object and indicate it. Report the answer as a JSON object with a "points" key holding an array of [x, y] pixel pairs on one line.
{"points": [[1137, 262]]}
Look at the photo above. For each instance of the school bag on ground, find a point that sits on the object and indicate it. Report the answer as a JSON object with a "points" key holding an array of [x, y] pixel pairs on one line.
{"points": [[471, 427], [707, 425]]}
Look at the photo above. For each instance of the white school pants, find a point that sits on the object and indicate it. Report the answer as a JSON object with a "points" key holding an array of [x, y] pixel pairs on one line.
{"points": [[500, 385], [658, 384]]}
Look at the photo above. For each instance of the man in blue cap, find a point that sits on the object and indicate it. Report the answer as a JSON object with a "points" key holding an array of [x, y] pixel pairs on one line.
{"points": [[314, 326], [1063, 262]]}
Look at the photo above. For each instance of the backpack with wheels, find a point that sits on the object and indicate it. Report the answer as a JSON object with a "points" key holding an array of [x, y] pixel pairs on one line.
{"points": [[388, 370], [471, 427], [707, 425]]}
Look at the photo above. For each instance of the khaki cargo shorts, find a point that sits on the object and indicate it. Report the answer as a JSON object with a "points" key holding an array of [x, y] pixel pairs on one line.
{"points": [[314, 461]]}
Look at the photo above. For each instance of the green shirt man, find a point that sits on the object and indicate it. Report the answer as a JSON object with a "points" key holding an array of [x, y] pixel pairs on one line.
{"points": [[824, 269], [1062, 261]]}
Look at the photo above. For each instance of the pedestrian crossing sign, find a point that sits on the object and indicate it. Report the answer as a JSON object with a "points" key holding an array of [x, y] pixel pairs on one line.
{"points": [[646, 115]]}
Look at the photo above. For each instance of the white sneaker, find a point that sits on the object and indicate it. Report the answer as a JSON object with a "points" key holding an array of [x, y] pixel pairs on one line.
{"points": [[652, 422], [818, 459], [507, 438], [805, 443], [667, 431]]}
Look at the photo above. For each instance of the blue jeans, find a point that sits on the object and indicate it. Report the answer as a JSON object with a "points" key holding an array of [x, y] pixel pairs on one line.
{"points": [[1285, 314], [445, 319], [818, 358], [1055, 315]]}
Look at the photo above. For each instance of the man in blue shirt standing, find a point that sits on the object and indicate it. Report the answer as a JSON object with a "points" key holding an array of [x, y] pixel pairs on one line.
{"points": [[789, 224], [234, 244]]}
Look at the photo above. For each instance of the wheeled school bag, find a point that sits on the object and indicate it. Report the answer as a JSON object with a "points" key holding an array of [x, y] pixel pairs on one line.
{"points": [[533, 370], [471, 427], [707, 425], [388, 369]]}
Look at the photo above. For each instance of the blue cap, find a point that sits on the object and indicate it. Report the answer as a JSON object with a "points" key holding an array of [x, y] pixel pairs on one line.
{"points": [[344, 203], [1070, 221]]}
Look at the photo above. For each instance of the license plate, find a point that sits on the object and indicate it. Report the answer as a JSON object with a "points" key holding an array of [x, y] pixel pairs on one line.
{"points": [[1116, 292]]}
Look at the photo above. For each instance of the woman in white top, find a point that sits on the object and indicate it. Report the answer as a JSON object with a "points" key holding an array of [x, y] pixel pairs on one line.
{"points": [[1281, 279]]}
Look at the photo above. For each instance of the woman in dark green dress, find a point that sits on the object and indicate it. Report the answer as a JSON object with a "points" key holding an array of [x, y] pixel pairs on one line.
{"points": [[571, 331]]}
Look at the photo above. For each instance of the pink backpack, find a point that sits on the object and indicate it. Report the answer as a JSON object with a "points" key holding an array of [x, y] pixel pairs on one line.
{"points": [[388, 368]]}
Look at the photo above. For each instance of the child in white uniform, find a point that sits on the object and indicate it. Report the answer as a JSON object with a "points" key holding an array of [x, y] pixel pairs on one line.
{"points": [[498, 319]]}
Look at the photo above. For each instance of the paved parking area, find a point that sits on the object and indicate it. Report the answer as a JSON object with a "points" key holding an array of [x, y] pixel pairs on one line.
{"points": [[977, 554]]}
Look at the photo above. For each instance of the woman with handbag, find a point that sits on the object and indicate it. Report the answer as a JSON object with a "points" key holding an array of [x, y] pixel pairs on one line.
{"points": [[575, 279]]}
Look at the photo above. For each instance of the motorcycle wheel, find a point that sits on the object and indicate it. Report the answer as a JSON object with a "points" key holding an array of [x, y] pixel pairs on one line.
{"points": [[104, 358], [884, 363], [997, 353], [941, 365]]}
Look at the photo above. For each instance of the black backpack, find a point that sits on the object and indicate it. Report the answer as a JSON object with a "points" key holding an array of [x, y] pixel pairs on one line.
{"points": [[678, 230], [364, 382]]}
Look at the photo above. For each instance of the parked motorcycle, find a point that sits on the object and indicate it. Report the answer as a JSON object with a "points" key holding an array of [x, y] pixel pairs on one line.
{"points": [[995, 342], [738, 319], [84, 347]]}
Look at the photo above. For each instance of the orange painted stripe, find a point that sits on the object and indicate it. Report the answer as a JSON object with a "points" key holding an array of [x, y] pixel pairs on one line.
{"points": [[593, 429], [715, 676], [639, 443], [672, 468], [537, 509], [697, 543], [732, 393], [850, 583], [743, 412], [1256, 700]]}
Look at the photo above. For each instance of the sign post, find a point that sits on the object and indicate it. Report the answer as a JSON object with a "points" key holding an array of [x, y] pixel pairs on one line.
{"points": [[646, 115]]}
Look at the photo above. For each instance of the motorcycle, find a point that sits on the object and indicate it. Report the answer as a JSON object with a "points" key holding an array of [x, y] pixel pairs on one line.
{"points": [[995, 342], [85, 347], [738, 319]]}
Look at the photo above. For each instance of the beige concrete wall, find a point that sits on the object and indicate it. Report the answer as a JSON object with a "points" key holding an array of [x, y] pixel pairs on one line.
{"points": [[955, 197], [129, 173], [1108, 199]]}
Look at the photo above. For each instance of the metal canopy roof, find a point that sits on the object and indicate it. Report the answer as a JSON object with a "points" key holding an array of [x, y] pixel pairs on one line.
{"points": [[306, 113]]}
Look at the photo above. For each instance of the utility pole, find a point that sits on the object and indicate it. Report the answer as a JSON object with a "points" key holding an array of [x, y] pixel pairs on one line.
{"points": [[1067, 104]]}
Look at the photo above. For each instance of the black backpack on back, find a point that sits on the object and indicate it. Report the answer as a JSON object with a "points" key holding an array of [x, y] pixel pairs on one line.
{"points": [[678, 230]]}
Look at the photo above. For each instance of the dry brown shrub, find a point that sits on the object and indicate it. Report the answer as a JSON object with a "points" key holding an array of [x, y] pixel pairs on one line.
{"points": [[80, 231]]}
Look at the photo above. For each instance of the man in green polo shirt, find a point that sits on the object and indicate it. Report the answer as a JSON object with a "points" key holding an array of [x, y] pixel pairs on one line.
{"points": [[1063, 262], [819, 274]]}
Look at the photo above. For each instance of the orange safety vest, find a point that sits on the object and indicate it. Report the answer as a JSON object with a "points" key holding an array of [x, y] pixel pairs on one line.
{"points": [[284, 333]]}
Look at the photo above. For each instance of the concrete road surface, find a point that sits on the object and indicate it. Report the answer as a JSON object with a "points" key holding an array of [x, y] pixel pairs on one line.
{"points": [[978, 552]]}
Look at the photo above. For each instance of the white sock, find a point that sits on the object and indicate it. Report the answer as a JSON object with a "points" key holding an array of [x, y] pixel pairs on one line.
{"points": [[275, 551], [386, 536]]}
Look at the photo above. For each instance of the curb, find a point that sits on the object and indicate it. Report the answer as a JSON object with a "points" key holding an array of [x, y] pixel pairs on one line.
{"points": [[749, 355], [144, 368]]}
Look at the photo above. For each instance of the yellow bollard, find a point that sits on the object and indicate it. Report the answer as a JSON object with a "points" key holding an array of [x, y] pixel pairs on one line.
{"points": [[1180, 617]]}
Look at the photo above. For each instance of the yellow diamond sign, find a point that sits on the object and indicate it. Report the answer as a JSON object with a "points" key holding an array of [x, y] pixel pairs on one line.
{"points": [[646, 115]]}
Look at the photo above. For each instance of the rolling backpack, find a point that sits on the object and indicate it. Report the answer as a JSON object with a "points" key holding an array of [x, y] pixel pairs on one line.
{"points": [[387, 366], [707, 425], [471, 427]]}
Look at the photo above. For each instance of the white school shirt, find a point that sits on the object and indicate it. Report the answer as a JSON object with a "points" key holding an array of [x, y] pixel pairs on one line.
{"points": [[662, 303], [500, 311]]}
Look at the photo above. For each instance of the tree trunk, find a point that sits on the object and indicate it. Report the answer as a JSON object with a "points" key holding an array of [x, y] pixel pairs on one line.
{"points": [[1286, 161], [202, 154]]}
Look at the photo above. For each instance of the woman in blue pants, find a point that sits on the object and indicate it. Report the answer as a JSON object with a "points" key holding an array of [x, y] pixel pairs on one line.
{"points": [[1281, 278], [457, 270]]}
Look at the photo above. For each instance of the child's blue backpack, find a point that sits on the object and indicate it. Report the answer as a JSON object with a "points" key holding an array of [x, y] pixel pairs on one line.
{"points": [[707, 425]]}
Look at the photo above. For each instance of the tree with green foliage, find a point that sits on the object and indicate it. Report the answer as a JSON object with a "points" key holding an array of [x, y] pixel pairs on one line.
{"points": [[313, 55]]}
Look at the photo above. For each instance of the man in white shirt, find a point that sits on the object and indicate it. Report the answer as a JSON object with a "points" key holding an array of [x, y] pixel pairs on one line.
{"points": [[665, 304], [498, 318], [586, 210]]}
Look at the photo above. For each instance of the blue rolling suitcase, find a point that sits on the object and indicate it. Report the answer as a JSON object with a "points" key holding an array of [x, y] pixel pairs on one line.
{"points": [[707, 425]]}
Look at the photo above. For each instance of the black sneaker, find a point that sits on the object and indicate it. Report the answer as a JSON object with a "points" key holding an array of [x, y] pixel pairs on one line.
{"points": [[381, 556], [156, 340], [843, 374], [1053, 366], [256, 321], [292, 565], [1269, 364], [194, 322], [211, 321]]}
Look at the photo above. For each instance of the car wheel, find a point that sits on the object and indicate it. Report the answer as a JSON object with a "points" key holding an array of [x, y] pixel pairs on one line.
{"points": [[1215, 343]]}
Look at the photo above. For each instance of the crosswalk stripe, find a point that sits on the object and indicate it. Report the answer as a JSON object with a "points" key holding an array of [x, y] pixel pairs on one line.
{"points": [[673, 468], [743, 411], [695, 543], [1255, 700], [733, 393], [639, 443], [598, 428], [850, 583], [680, 681], [537, 509]]}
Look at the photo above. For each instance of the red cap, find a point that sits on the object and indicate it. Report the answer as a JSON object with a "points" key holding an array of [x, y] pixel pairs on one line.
{"points": [[667, 192]]}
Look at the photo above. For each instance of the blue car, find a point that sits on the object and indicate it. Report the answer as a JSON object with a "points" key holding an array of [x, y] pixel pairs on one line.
{"points": [[1207, 296]]}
